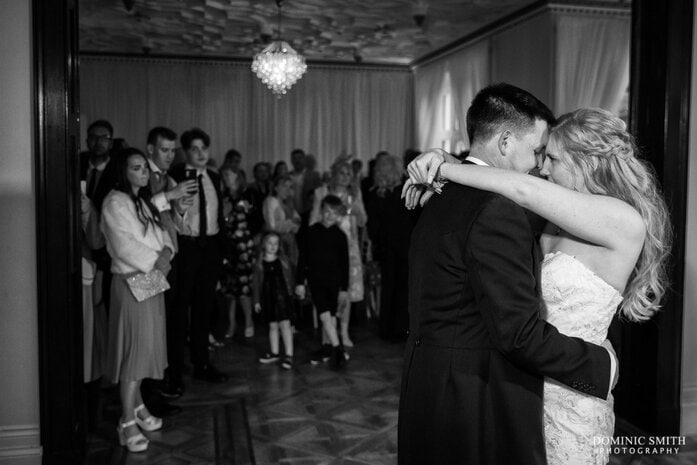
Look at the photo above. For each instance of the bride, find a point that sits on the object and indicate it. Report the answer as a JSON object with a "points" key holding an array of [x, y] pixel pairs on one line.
{"points": [[606, 244]]}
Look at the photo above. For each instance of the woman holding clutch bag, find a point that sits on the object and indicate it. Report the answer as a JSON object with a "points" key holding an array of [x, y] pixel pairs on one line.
{"points": [[138, 245]]}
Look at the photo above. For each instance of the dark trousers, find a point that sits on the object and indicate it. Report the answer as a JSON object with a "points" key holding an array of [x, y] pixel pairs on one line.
{"points": [[394, 316], [198, 272], [176, 324]]}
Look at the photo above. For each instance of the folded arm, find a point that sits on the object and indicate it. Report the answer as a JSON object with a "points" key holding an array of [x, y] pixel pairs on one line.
{"points": [[598, 219], [499, 253], [121, 229]]}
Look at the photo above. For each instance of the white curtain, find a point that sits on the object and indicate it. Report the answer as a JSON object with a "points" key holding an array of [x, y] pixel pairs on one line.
{"points": [[329, 111], [443, 92], [592, 62]]}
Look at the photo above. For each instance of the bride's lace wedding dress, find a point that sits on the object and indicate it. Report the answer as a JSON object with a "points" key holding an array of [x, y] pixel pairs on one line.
{"points": [[580, 304]]}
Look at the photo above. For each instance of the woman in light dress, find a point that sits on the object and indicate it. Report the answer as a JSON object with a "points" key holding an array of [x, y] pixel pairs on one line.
{"points": [[137, 243], [606, 245], [341, 184], [281, 217]]}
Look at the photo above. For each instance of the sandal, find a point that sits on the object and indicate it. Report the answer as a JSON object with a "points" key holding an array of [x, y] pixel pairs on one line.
{"points": [[137, 443], [150, 423]]}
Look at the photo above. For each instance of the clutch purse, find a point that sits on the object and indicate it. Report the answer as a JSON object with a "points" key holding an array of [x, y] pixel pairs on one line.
{"points": [[146, 285]]}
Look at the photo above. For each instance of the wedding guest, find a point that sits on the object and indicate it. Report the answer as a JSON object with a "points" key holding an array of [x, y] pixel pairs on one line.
{"points": [[340, 185], [233, 160], [167, 196], [199, 250], [367, 182], [137, 243], [357, 169], [118, 144], [389, 227], [238, 248], [280, 217], [305, 181], [92, 162], [94, 318], [324, 263], [281, 169], [257, 191], [273, 284]]}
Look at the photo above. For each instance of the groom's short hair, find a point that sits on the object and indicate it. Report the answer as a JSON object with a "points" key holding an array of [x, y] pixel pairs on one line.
{"points": [[503, 106]]}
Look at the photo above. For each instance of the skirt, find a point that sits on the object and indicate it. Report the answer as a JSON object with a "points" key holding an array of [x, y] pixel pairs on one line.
{"points": [[137, 335]]}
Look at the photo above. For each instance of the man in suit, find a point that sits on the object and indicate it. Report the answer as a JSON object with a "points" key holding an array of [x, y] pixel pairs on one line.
{"points": [[477, 350], [92, 162], [199, 260], [167, 195]]}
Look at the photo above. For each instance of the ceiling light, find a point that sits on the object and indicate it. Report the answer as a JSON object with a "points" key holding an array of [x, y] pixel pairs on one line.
{"points": [[278, 65]]}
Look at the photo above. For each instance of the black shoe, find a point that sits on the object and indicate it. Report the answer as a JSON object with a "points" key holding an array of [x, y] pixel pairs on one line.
{"points": [[171, 388], [163, 409], [339, 358], [287, 362], [210, 373], [322, 355]]}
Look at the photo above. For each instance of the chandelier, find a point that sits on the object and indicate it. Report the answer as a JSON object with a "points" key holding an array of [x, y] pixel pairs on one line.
{"points": [[278, 65]]}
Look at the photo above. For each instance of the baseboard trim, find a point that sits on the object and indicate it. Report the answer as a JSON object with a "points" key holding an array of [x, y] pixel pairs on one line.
{"points": [[688, 411], [20, 441]]}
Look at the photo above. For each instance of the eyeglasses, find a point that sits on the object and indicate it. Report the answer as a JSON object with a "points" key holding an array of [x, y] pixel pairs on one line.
{"points": [[94, 138]]}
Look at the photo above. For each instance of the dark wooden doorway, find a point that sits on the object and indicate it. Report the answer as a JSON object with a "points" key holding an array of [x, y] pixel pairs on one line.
{"points": [[58, 244], [648, 394]]}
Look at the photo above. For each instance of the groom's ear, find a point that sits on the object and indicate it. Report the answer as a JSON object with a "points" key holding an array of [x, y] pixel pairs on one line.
{"points": [[504, 142]]}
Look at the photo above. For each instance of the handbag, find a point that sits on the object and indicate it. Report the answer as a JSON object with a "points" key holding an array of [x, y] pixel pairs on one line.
{"points": [[146, 285]]}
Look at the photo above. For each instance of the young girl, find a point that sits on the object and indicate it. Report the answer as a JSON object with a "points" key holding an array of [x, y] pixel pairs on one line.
{"points": [[272, 283]]}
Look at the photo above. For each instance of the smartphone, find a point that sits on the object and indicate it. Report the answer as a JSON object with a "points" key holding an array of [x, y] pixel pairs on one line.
{"points": [[190, 174]]}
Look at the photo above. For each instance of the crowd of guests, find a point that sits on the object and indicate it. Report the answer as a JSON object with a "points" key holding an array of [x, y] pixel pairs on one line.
{"points": [[165, 242]]}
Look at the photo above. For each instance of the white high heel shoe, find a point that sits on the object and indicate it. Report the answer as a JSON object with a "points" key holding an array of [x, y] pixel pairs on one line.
{"points": [[150, 423], [137, 443]]}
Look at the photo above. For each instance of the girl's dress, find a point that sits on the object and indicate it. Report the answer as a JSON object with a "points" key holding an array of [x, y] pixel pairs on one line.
{"points": [[238, 262], [273, 282]]}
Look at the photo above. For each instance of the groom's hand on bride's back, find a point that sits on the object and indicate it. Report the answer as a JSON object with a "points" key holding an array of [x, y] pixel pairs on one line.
{"points": [[614, 361]]}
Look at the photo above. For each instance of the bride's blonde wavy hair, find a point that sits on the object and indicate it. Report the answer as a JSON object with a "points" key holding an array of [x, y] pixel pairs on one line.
{"points": [[605, 155]]}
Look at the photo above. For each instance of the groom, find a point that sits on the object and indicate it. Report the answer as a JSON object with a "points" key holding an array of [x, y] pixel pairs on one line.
{"points": [[477, 349]]}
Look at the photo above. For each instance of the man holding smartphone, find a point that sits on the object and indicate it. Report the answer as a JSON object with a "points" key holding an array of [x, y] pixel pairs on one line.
{"points": [[199, 259], [168, 197]]}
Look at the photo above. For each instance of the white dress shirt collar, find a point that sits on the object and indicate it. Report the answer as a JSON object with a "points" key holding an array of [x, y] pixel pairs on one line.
{"points": [[477, 161], [199, 171], [154, 168]]}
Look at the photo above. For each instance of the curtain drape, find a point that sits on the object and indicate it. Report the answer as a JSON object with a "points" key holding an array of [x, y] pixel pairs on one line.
{"points": [[331, 110], [592, 62], [443, 93]]}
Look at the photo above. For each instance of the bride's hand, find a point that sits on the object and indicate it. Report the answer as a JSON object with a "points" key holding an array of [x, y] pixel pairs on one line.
{"points": [[423, 169], [415, 194]]}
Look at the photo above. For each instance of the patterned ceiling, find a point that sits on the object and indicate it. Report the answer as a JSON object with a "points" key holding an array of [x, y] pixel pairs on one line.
{"points": [[382, 31], [372, 31]]}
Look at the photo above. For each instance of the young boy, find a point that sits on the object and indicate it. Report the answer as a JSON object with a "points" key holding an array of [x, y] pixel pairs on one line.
{"points": [[324, 262]]}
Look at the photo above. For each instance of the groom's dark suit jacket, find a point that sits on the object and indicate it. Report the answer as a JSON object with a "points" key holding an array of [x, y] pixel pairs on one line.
{"points": [[477, 349]]}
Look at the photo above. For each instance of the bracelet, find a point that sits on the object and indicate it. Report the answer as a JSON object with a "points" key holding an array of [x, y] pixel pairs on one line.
{"points": [[438, 180]]}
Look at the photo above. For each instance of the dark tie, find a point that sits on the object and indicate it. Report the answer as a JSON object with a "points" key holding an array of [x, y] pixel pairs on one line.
{"points": [[92, 183], [159, 177], [203, 214]]}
